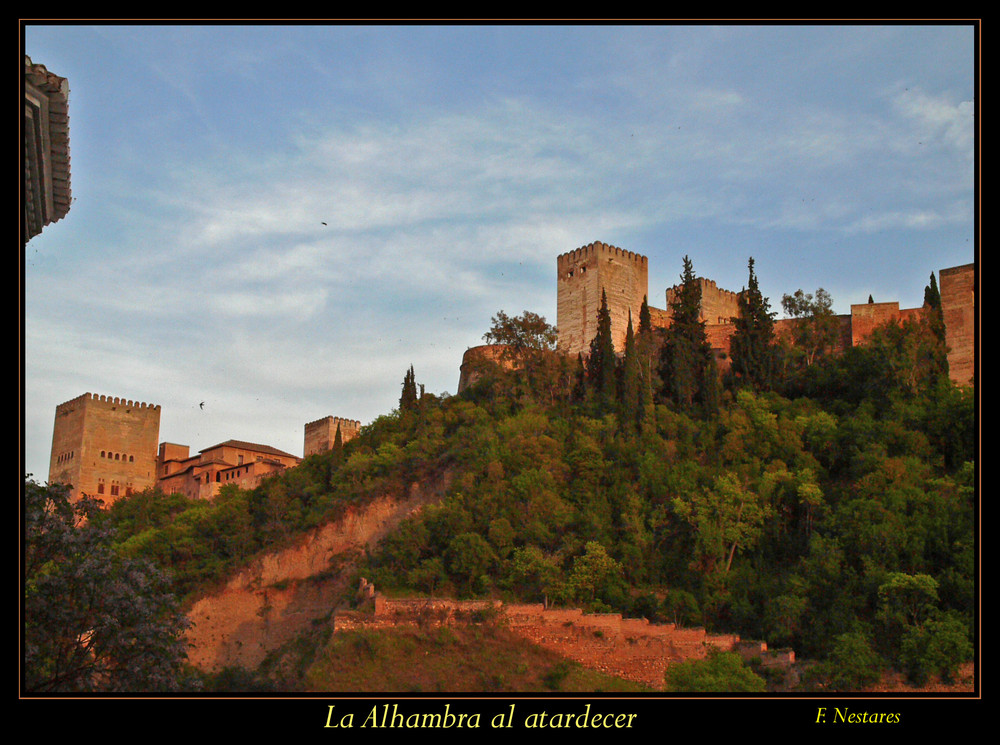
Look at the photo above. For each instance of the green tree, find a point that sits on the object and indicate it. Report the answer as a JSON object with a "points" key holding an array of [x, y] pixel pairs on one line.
{"points": [[719, 672], [816, 329], [726, 518], [937, 647], [469, 557], [752, 347], [593, 572], [602, 362], [526, 332], [529, 343], [853, 664], [408, 399], [631, 402], [686, 364], [93, 619]]}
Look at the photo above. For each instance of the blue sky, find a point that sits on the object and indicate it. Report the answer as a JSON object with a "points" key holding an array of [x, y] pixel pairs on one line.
{"points": [[451, 165]]}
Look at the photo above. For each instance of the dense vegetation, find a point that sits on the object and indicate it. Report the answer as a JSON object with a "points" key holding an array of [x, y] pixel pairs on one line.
{"points": [[817, 499]]}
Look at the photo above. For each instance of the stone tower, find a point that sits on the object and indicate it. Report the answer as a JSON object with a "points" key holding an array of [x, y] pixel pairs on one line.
{"points": [[104, 447], [583, 274], [958, 306], [321, 434]]}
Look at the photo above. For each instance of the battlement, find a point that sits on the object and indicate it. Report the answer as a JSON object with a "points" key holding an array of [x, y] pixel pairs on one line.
{"points": [[104, 446], [595, 250], [108, 401], [352, 423], [322, 433]]}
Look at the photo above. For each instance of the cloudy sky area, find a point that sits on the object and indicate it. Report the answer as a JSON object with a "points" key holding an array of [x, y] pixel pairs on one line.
{"points": [[451, 165]]}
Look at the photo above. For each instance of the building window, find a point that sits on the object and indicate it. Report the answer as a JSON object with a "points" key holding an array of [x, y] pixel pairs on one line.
{"points": [[100, 488]]}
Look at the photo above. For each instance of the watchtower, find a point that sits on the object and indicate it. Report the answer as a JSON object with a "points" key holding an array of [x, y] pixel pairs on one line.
{"points": [[104, 446], [584, 274]]}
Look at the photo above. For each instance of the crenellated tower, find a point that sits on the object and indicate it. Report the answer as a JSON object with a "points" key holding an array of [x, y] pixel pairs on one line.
{"points": [[582, 275], [104, 446]]}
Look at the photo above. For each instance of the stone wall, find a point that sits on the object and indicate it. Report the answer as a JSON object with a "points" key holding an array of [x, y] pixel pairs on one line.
{"points": [[478, 359], [104, 446], [630, 648]]}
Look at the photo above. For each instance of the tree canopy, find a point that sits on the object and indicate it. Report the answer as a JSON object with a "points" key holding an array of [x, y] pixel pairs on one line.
{"points": [[93, 619]]}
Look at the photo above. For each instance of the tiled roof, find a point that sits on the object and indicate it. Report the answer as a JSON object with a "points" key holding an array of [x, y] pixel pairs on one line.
{"points": [[241, 445]]}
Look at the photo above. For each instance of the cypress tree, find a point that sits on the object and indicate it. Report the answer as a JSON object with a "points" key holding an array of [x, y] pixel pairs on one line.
{"points": [[645, 321], [752, 345], [686, 362], [630, 401], [602, 363], [408, 400]]}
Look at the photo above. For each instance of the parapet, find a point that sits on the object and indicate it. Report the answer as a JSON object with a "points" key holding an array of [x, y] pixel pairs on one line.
{"points": [[108, 401], [596, 249], [322, 433]]}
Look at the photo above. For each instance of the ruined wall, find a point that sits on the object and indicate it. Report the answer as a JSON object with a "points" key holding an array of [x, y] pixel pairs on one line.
{"points": [[582, 276], [321, 434], [104, 446], [630, 648], [958, 305]]}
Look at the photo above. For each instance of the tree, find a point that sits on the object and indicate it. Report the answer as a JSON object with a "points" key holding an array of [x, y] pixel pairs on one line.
{"points": [[602, 363], [529, 342], [816, 328], [719, 672], [752, 346], [686, 363], [593, 572], [853, 664], [408, 400], [526, 332], [631, 402], [93, 619]]}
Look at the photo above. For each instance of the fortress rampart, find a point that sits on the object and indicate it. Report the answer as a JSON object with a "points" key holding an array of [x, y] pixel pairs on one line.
{"points": [[584, 273]]}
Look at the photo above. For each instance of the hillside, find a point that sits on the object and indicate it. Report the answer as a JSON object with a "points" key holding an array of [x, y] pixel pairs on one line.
{"points": [[829, 507]]}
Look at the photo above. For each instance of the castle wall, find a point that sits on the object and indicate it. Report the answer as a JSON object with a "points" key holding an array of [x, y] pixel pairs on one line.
{"points": [[958, 305], [104, 446], [582, 276], [476, 359], [718, 306]]}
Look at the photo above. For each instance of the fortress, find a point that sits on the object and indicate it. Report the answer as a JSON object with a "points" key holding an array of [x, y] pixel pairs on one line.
{"points": [[585, 273], [108, 447]]}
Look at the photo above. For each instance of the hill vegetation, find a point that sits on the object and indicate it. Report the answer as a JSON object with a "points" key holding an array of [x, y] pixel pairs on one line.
{"points": [[819, 500]]}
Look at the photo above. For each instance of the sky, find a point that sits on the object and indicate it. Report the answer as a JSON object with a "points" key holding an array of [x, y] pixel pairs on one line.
{"points": [[277, 221]]}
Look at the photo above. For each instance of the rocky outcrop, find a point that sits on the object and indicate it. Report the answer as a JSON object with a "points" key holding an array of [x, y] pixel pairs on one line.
{"points": [[281, 594]]}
